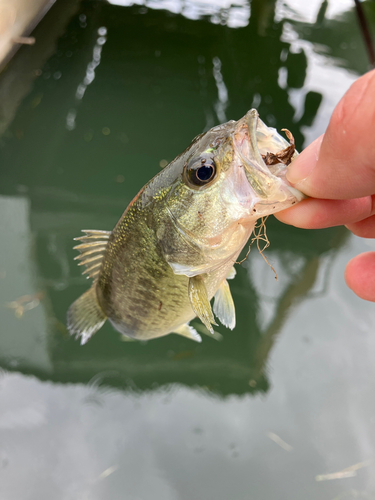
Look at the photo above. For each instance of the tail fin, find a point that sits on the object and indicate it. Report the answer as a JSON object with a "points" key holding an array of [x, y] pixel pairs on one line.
{"points": [[85, 316]]}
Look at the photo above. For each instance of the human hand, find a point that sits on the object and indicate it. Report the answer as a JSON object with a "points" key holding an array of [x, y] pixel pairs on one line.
{"points": [[338, 172]]}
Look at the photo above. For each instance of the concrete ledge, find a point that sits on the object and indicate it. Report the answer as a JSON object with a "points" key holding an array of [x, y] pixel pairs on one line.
{"points": [[17, 20]]}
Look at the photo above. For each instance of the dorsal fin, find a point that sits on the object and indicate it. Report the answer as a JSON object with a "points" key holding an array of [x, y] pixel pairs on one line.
{"points": [[92, 250]]}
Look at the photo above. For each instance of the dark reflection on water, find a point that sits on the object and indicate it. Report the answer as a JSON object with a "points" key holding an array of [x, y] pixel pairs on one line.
{"points": [[341, 37], [124, 89], [106, 109], [103, 112]]}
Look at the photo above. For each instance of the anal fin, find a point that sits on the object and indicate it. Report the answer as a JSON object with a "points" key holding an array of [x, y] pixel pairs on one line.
{"points": [[188, 332], [85, 316], [224, 306], [200, 303]]}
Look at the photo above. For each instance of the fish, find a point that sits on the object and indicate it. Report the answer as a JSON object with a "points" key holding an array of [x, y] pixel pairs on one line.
{"points": [[175, 246]]}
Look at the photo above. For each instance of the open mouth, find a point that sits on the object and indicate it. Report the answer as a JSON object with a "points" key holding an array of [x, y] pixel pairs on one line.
{"points": [[264, 155]]}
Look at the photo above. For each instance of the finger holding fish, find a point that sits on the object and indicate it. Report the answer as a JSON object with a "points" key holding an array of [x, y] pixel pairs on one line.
{"points": [[337, 169], [314, 213]]}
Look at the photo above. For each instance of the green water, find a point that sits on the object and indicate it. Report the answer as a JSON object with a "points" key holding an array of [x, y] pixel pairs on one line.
{"points": [[86, 116]]}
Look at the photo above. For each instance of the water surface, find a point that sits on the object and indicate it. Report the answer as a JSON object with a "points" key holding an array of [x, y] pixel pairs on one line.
{"points": [[108, 93]]}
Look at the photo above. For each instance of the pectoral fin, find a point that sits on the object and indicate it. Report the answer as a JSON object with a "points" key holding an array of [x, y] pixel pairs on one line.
{"points": [[200, 303], [189, 332], [224, 306]]}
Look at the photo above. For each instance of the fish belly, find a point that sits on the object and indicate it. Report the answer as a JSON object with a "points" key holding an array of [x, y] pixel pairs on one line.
{"points": [[146, 307]]}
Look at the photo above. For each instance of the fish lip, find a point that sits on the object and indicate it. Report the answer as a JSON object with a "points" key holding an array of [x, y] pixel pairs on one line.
{"points": [[251, 118], [246, 146], [261, 179], [246, 132]]}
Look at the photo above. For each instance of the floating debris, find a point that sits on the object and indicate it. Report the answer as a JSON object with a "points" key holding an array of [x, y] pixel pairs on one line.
{"points": [[285, 155], [108, 472], [260, 234], [277, 439], [348, 472], [25, 303]]}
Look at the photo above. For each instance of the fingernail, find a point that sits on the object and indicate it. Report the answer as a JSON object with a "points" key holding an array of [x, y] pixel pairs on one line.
{"points": [[305, 163]]}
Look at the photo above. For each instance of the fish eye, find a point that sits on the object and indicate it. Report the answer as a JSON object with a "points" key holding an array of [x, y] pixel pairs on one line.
{"points": [[201, 171]]}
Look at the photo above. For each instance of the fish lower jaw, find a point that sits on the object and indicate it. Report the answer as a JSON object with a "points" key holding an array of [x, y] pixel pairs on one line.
{"points": [[279, 197]]}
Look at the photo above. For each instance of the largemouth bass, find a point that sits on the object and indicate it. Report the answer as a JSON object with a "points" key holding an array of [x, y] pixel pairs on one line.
{"points": [[175, 246]]}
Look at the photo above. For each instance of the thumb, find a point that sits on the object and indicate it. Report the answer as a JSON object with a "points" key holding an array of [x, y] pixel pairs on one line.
{"points": [[341, 163]]}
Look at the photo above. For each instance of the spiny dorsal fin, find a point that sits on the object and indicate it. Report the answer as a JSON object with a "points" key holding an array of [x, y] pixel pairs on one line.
{"points": [[92, 250], [85, 316]]}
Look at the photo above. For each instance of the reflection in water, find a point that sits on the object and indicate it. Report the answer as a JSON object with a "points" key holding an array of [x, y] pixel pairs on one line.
{"points": [[96, 56], [313, 10], [225, 12], [366, 33], [339, 37], [222, 102], [238, 363], [161, 444], [25, 303], [89, 77]]}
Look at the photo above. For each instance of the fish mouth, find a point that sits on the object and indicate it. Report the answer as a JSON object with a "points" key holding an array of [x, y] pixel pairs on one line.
{"points": [[252, 139]]}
